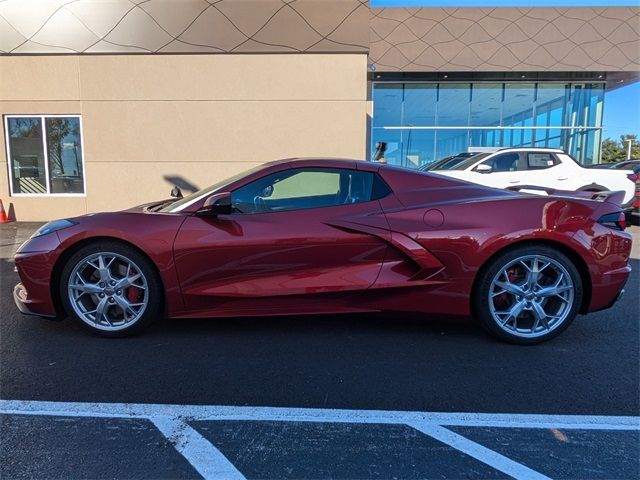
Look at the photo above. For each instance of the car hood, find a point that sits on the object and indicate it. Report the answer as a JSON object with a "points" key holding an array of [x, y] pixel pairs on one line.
{"points": [[149, 206]]}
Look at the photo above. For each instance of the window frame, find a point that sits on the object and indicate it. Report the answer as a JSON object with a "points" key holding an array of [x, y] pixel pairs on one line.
{"points": [[314, 168], [529, 168], [42, 117]]}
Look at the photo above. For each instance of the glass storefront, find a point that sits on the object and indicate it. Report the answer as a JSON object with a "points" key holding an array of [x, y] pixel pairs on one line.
{"points": [[422, 122]]}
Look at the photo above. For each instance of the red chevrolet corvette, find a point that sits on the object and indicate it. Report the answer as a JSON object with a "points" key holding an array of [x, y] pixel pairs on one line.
{"points": [[333, 236]]}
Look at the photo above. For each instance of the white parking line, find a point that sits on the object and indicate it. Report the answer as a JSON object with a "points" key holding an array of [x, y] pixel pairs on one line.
{"points": [[199, 452], [172, 421], [215, 412], [479, 452]]}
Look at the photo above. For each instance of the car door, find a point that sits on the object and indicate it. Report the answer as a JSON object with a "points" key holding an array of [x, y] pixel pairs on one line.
{"points": [[292, 233], [543, 169]]}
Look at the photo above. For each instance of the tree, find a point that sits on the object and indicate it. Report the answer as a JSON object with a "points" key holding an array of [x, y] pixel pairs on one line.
{"points": [[57, 129], [616, 151], [611, 151], [635, 146], [24, 127]]}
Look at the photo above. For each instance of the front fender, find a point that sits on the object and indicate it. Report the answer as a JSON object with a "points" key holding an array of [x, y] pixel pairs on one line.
{"points": [[152, 234]]}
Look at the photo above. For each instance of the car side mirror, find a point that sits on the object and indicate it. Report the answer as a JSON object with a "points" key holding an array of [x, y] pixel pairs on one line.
{"points": [[176, 192], [484, 168], [217, 204]]}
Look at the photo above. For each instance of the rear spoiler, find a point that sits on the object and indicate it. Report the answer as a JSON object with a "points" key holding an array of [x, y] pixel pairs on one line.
{"points": [[615, 197]]}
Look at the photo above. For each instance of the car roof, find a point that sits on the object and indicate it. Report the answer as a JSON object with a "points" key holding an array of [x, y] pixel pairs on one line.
{"points": [[329, 162], [531, 149]]}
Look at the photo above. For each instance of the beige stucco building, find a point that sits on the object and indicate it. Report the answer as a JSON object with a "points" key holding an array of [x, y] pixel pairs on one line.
{"points": [[107, 104]]}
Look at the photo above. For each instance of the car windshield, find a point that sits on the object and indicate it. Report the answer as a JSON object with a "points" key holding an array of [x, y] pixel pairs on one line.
{"points": [[205, 192], [447, 163], [468, 162]]}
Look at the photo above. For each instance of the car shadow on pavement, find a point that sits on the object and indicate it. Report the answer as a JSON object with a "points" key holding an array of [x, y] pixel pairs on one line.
{"points": [[408, 323], [381, 361]]}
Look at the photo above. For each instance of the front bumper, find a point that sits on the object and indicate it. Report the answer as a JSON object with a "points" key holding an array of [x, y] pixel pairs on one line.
{"points": [[618, 297], [35, 272], [21, 299], [612, 303]]}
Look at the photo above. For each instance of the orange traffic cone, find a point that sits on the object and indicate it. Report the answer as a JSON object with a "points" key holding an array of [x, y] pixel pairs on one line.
{"points": [[3, 214]]}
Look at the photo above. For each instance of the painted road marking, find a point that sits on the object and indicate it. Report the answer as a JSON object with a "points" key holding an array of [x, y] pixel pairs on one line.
{"points": [[172, 421], [214, 412], [199, 452], [479, 452]]}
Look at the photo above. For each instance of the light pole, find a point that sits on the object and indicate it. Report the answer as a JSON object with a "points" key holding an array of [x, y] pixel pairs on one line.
{"points": [[629, 141]]}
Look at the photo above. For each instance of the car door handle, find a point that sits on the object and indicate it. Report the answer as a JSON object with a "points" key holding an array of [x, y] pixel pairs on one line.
{"points": [[562, 178], [514, 181]]}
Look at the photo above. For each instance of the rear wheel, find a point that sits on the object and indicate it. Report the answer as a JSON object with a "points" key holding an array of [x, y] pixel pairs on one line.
{"points": [[528, 294], [111, 288]]}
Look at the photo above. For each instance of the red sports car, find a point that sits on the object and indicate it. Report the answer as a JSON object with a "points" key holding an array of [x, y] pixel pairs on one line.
{"points": [[315, 236]]}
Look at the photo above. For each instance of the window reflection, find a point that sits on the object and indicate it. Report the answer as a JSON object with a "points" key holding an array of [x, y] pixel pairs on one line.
{"points": [[424, 122], [451, 141], [420, 102], [453, 104], [518, 104], [419, 148], [45, 155], [551, 104], [387, 106], [65, 154], [393, 139], [28, 172], [486, 101]]}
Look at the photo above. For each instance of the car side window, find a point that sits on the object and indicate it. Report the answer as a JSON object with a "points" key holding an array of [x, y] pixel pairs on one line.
{"points": [[540, 160], [303, 188], [507, 162]]}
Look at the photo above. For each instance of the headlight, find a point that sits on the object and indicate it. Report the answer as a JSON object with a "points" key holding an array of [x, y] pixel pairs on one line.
{"points": [[53, 227]]}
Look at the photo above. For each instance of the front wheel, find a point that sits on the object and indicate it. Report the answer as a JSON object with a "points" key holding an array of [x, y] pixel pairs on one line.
{"points": [[528, 294], [111, 288]]}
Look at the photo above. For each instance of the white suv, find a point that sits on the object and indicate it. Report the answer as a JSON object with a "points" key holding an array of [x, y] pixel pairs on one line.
{"points": [[540, 167]]}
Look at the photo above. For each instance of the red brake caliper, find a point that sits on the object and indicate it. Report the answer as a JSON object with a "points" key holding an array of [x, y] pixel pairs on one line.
{"points": [[502, 298], [134, 294]]}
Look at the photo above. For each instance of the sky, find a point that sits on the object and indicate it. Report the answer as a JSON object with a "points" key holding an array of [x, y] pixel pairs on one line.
{"points": [[621, 112], [503, 3]]}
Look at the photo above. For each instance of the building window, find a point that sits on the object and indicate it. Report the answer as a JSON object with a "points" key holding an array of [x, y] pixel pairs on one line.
{"points": [[422, 122], [45, 154]]}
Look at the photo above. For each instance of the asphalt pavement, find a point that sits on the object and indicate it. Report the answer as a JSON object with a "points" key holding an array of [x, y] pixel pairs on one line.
{"points": [[364, 362]]}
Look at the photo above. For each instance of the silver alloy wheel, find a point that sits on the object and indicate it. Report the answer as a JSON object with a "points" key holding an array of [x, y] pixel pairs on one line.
{"points": [[108, 291], [531, 296]]}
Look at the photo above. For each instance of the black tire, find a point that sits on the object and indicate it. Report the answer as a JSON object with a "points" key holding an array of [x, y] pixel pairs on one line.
{"points": [[153, 296], [480, 302]]}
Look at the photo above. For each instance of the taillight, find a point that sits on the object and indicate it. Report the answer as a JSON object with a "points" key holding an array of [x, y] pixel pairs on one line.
{"points": [[617, 220], [633, 177]]}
